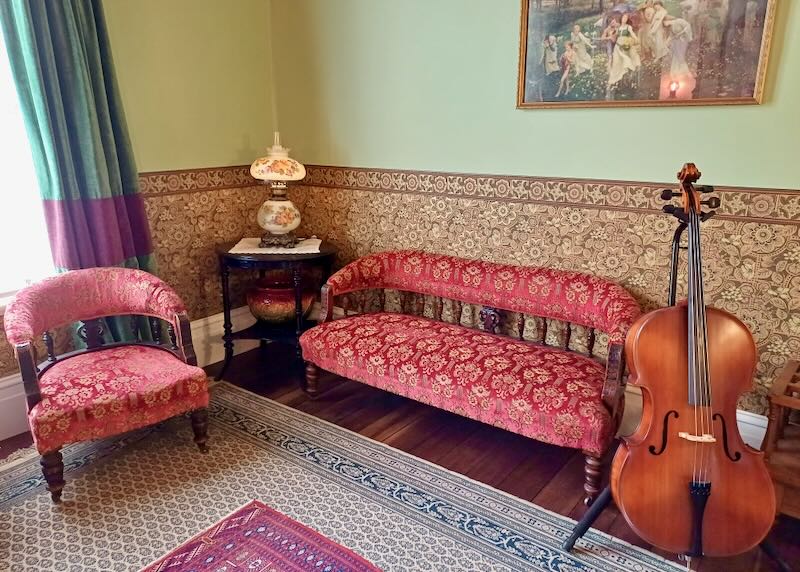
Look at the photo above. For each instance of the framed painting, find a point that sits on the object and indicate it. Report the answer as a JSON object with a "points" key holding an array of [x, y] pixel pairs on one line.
{"points": [[597, 53]]}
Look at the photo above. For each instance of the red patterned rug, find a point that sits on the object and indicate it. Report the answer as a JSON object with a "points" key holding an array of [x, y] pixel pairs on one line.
{"points": [[259, 539]]}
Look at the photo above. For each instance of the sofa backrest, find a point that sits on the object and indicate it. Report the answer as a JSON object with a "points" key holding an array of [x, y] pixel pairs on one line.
{"points": [[573, 297]]}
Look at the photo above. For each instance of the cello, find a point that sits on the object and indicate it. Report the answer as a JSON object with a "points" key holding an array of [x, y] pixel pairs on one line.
{"points": [[685, 481]]}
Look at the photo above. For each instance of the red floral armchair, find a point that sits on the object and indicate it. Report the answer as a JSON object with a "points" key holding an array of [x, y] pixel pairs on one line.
{"points": [[105, 389]]}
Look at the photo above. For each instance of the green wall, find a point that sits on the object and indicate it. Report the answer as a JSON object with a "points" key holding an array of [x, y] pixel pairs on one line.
{"points": [[423, 84], [195, 79]]}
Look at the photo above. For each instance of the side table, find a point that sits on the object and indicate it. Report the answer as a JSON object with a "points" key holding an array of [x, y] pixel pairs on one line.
{"points": [[262, 330]]}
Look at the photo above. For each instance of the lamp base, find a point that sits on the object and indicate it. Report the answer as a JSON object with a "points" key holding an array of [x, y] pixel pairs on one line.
{"points": [[287, 240]]}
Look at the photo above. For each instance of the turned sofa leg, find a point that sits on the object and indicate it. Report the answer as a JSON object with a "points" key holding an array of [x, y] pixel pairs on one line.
{"points": [[53, 471], [199, 419], [312, 377], [593, 475]]}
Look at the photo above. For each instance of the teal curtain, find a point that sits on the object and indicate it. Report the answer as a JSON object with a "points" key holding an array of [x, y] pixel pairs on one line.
{"points": [[61, 62]]}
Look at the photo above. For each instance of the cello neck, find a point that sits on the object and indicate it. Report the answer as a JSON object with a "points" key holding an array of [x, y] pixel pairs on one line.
{"points": [[698, 379], [699, 387]]}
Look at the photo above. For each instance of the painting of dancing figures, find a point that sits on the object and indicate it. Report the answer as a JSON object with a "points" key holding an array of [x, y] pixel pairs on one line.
{"points": [[653, 52]]}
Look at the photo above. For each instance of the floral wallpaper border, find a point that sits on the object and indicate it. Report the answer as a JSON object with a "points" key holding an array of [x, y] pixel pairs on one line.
{"points": [[762, 205], [195, 180], [779, 206]]}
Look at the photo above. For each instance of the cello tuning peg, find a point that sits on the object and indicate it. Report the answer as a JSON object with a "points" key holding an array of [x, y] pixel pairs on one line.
{"points": [[668, 194], [713, 202], [675, 211], [705, 189], [707, 215]]}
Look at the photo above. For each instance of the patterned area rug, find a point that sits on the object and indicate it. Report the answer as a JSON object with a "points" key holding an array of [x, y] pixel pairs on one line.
{"points": [[130, 500], [259, 539]]}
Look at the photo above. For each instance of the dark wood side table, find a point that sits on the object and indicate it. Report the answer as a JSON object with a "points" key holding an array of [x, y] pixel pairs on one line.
{"points": [[263, 331]]}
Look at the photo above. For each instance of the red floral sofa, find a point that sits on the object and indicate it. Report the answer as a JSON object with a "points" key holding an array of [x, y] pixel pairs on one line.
{"points": [[552, 394]]}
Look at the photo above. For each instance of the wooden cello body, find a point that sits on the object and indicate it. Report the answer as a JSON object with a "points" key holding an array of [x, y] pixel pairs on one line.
{"points": [[685, 480]]}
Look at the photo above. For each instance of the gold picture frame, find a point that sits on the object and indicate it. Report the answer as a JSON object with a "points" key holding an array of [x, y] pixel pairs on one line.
{"points": [[635, 53]]}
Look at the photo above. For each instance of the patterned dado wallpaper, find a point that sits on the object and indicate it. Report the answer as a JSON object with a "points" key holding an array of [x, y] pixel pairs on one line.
{"points": [[751, 249]]}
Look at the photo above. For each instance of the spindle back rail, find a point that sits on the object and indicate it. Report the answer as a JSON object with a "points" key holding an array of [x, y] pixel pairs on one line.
{"points": [[489, 319]]}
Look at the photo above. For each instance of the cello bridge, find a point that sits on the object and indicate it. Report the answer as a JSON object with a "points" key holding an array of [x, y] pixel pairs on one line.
{"points": [[704, 438]]}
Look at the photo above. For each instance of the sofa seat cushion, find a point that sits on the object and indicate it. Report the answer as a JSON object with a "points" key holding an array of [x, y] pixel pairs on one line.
{"points": [[111, 391], [538, 391]]}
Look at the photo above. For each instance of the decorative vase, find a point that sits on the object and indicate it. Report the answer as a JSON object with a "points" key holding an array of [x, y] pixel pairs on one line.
{"points": [[272, 298], [278, 216]]}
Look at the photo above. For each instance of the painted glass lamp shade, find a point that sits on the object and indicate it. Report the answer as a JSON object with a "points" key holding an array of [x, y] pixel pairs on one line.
{"points": [[278, 216]]}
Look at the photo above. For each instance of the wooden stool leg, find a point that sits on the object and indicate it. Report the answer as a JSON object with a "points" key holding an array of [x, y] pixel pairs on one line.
{"points": [[593, 474], [199, 419], [312, 376], [53, 471]]}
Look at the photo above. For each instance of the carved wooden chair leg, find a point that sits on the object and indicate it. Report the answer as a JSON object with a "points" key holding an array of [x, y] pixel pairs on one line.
{"points": [[53, 471], [593, 475], [312, 377], [199, 419]]}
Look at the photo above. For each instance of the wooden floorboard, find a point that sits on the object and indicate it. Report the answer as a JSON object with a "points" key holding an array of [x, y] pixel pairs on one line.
{"points": [[15, 443], [551, 477]]}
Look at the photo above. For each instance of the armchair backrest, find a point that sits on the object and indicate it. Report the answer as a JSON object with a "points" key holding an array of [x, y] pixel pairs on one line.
{"points": [[573, 297], [81, 295]]}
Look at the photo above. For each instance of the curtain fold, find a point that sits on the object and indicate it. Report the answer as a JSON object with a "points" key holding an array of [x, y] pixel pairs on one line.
{"points": [[61, 61]]}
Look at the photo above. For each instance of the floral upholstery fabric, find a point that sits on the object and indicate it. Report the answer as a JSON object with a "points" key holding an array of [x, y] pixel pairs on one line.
{"points": [[85, 295], [559, 294], [541, 392], [111, 391]]}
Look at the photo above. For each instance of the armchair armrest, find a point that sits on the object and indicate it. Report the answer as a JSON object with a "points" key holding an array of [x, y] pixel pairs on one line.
{"points": [[29, 372], [614, 386], [183, 338]]}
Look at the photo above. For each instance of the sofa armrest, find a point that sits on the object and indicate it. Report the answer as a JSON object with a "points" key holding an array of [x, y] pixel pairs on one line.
{"points": [[326, 298], [364, 273], [614, 385]]}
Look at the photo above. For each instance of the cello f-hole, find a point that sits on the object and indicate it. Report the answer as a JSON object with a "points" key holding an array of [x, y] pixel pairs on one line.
{"points": [[664, 434], [737, 455]]}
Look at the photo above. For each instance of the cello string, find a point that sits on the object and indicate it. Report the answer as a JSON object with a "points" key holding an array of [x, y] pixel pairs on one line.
{"points": [[704, 361], [692, 348], [698, 343], [703, 350], [698, 297]]}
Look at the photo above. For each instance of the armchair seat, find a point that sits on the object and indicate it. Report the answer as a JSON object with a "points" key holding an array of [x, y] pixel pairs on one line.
{"points": [[111, 391]]}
